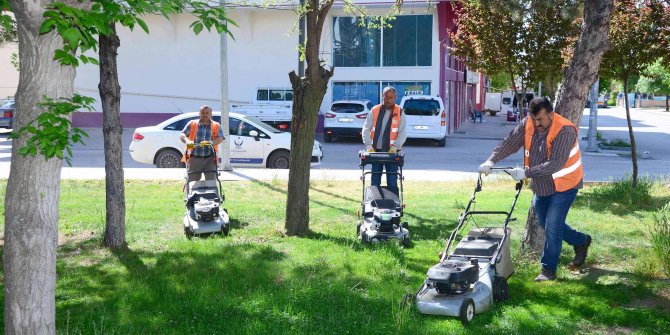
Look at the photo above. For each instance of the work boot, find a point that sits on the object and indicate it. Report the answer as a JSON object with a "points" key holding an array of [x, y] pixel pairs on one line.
{"points": [[581, 252], [545, 275]]}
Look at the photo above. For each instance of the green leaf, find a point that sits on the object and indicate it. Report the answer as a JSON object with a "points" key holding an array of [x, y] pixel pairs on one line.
{"points": [[47, 26], [197, 28], [143, 25]]}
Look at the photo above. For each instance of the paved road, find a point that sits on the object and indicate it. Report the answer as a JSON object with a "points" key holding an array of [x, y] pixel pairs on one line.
{"points": [[465, 149]]}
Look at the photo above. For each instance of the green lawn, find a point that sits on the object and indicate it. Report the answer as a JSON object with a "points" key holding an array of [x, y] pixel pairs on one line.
{"points": [[257, 281]]}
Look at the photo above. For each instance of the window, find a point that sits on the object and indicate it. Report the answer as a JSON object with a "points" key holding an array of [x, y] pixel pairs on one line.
{"points": [[354, 44], [233, 126], [262, 95], [265, 94], [178, 125], [356, 90], [421, 107], [370, 105], [407, 42], [246, 128], [347, 108]]}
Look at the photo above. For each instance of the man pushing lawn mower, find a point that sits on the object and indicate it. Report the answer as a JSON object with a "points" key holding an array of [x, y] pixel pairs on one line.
{"points": [[202, 138], [553, 162]]}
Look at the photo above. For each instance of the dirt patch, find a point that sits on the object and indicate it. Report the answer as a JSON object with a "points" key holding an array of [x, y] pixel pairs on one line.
{"points": [[75, 237], [660, 299], [64, 238]]}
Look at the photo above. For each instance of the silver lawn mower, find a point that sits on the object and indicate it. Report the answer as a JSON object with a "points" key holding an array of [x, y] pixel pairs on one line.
{"points": [[379, 218], [468, 279], [204, 205]]}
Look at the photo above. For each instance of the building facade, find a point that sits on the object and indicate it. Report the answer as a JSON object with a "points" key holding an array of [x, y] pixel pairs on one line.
{"points": [[172, 71]]}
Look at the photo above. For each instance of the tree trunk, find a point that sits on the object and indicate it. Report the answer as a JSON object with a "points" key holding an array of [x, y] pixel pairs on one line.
{"points": [[633, 149], [667, 103], [33, 187], [578, 77], [110, 96], [308, 94]]}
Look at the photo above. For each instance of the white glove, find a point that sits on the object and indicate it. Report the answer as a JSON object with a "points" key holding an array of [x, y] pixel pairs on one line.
{"points": [[518, 174], [369, 148], [485, 168]]}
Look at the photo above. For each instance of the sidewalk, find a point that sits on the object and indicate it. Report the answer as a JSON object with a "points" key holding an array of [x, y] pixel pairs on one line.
{"points": [[241, 174], [492, 128]]}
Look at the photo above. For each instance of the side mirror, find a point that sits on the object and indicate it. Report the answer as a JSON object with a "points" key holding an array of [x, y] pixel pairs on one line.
{"points": [[253, 133]]}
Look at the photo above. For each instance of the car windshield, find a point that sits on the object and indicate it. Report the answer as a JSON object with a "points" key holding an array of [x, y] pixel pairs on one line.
{"points": [[264, 126], [347, 108], [421, 107]]}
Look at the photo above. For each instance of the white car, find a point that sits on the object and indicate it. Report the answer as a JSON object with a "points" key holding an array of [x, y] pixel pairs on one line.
{"points": [[346, 118], [425, 117], [252, 143]]}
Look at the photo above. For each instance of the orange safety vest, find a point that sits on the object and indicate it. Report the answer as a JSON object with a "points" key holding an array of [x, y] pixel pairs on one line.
{"points": [[194, 130], [395, 122], [572, 173]]}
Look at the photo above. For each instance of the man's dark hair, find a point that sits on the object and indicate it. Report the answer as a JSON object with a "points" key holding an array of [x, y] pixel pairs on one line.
{"points": [[538, 104]]}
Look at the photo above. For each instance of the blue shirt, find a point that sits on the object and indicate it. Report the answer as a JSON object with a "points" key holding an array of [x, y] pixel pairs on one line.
{"points": [[204, 134]]}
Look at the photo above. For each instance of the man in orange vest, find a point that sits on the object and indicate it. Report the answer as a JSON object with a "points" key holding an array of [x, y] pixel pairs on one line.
{"points": [[553, 161], [198, 135], [384, 131]]}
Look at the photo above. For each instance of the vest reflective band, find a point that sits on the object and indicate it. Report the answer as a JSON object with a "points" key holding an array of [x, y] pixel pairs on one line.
{"points": [[572, 173], [395, 122], [194, 130]]}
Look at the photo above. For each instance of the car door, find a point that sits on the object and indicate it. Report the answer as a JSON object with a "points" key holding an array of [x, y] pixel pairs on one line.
{"points": [[244, 148]]}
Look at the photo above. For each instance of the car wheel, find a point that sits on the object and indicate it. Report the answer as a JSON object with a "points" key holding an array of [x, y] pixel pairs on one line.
{"points": [[279, 160], [443, 142], [328, 138], [169, 158]]}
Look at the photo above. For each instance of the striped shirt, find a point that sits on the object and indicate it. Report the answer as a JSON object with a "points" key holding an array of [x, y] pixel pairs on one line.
{"points": [[204, 134], [541, 166]]}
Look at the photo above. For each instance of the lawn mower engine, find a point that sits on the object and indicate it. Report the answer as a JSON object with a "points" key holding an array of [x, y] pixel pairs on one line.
{"points": [[388, 220], [453, 276], [205, 205]]}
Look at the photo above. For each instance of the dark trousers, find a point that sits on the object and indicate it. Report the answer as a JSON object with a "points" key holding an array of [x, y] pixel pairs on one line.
{"points": [[197, 166], [551, 213], [391, 176]]}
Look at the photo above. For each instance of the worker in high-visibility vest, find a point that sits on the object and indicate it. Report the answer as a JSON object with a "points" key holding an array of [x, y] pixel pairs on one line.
{"points": [[202, 138], [553, 162], [384, 131]]}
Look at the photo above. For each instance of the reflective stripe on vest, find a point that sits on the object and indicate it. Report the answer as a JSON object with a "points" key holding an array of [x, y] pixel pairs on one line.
{"points": [[214, 126], [395, 122], [572, 172]]}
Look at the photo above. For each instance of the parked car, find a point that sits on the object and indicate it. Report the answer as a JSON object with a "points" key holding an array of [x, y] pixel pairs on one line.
{"points": [[425, 117], [252, 143], [346, 118], [7, 114]]}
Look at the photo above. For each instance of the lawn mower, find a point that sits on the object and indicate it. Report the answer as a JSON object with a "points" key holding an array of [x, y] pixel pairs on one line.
{"points": [[204, 211], [379, 218], [466, 281]]}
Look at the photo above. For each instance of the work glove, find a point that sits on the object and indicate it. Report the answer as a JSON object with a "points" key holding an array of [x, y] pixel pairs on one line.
{"points": [[190, 145], [485, 168], [370, 149], [393, 150], [205, 143], [518, 173]]}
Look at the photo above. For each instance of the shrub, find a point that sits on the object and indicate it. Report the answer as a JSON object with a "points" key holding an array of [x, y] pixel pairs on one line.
{"points": [[622, 192], [660, 237]]}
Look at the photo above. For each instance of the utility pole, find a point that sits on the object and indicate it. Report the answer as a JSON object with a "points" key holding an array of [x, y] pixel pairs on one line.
{"points": [[593, 118], [225, 153], [539, 90]]}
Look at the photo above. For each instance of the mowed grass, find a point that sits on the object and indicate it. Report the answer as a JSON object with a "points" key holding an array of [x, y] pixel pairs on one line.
{"points": [[257, 281]]}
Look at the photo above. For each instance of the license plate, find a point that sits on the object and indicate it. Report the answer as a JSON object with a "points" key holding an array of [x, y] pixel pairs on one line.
{"points": [[421, 127], [346, 119]]}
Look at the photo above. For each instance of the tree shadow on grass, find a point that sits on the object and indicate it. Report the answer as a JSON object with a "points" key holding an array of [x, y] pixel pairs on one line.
{"points": [[233, 289], [610, 202]]}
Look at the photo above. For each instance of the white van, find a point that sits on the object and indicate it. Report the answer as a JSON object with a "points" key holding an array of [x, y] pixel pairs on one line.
{"points": [[425, 117]]}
